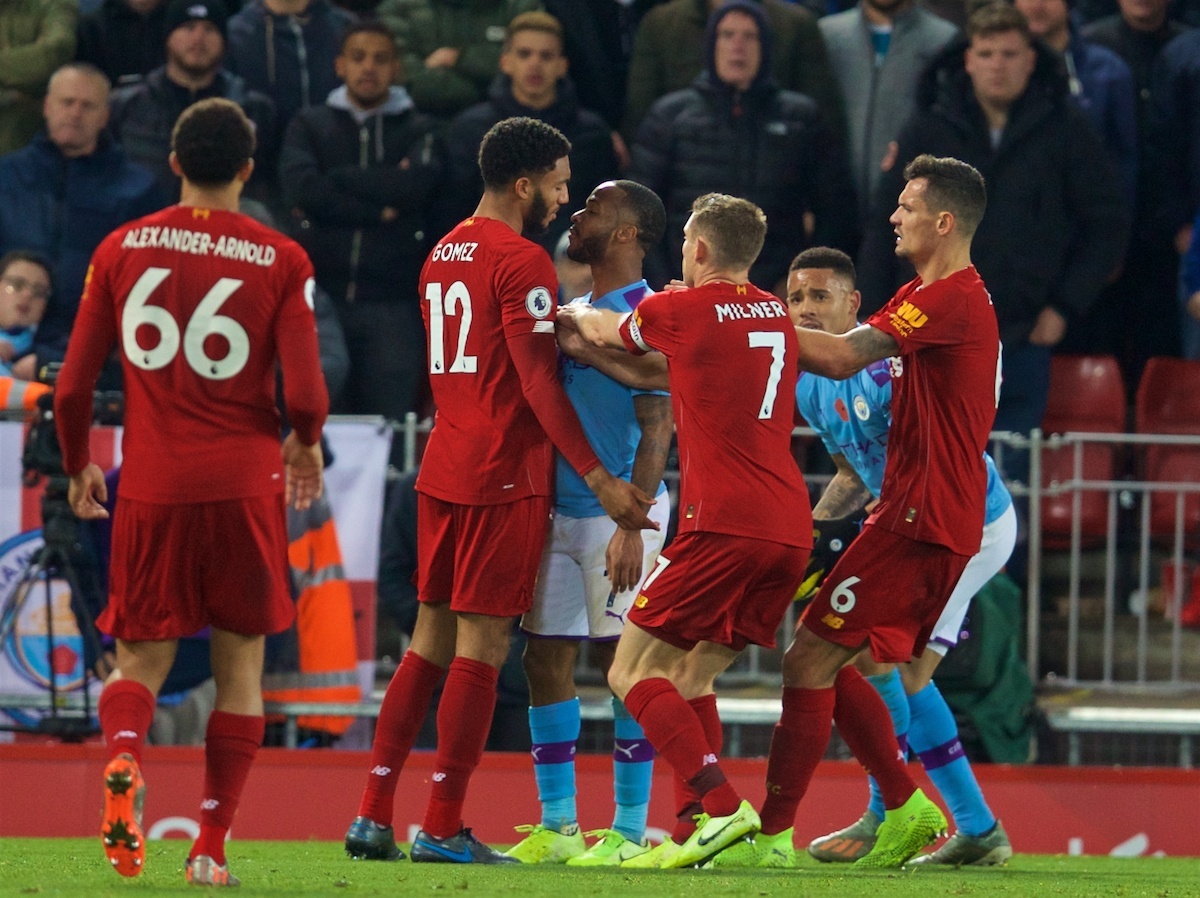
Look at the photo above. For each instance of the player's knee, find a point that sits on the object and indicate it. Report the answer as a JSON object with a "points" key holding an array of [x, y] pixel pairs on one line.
{"points": [[621, 678]]}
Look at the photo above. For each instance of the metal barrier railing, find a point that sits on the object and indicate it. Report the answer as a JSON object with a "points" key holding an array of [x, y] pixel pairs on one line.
{"points": [[1127, 540]]}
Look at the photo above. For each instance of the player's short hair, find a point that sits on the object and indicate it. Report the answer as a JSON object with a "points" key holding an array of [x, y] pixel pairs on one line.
{"points": [[952, 186], [735, 228], [997, 17], [519, 147], [826, 257], [367, 26], [28, 255], [534, 20], [212, 140], [649, 214]]}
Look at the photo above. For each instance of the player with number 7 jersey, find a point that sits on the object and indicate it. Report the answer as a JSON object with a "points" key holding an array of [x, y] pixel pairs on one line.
{"points": [[201, 303]]}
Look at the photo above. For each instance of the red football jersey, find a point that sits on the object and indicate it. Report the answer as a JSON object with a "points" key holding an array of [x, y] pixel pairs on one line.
{"points": [[731, 352], [202, 303], [946, 384], [488, 300]]}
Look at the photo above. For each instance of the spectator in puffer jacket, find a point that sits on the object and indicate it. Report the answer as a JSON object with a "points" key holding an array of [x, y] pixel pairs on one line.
{"points": [[735, 131]]}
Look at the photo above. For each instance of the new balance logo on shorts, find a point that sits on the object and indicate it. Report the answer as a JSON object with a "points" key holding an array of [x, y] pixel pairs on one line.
{"points": [[709, 758], [209, 804], [380, 770], [439, 777]]}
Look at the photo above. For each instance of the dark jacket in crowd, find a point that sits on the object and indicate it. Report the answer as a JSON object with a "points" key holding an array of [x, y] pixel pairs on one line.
{"points": [[289, 58], [143, 115], [1173, 142], [120, 42], [598, 35], [592, 156], [771, 146], [670, 50], [63, 208], [1107, 94], [1057, 220], [339, 174]]}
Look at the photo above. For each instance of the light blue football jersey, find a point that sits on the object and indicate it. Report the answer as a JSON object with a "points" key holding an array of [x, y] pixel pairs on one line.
{"points": [[852, 417], [605, 409]]}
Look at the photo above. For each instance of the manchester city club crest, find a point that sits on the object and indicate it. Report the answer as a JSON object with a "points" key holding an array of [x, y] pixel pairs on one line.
{"points": [[28, 659]]}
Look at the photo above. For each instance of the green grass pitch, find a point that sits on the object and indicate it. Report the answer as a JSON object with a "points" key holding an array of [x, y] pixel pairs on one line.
{"points": [[76, 867]]}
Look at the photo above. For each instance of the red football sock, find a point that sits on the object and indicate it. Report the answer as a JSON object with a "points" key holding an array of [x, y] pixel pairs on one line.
{"points": [[687, 802], [463, 720], [126, 711], [675, 731], [797, 746], [400, 717], [230, 744], [864, 723]]}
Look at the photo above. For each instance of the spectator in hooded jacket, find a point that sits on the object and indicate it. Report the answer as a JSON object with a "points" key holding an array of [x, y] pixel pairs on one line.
{"points": [[532, 82], [735, 131], [669, 51], [360, 172], [144, 113]]}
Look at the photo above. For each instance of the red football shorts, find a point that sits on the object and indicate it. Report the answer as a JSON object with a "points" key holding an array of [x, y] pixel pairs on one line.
{"points": [[712, 587], [887, 590], [178, 568], [482, 559]]}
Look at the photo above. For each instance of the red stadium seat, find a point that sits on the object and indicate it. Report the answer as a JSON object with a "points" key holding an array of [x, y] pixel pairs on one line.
{"points": [[1168, 402], [1087, 395]]}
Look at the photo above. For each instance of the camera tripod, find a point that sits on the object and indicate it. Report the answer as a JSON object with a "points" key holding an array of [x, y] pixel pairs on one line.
{"points": [[59, 558]]}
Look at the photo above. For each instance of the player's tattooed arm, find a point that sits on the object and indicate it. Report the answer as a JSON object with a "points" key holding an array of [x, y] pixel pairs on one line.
{"points": [[841, 355], [845, 495], [626, 549]]}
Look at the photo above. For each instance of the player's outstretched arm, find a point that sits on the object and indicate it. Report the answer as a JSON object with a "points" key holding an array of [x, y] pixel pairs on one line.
{"points": [[86, 493], [599, 327], [303, 472], [841, 355], [640, 372], [846, 493]]}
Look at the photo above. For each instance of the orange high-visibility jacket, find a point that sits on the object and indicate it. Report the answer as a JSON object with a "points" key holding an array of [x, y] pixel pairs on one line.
{"points": [[324, 630]]}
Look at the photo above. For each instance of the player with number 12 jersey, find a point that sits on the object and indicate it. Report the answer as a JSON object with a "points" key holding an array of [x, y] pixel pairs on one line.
{"points": [[201, 303], [489, 306]]}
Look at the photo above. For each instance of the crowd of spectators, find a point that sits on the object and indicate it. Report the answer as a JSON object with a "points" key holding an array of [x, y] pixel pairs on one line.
{"points": [[1084, 115]]}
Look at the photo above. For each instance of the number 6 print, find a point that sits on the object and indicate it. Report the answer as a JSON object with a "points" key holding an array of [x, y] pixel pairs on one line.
{"points": [[843, 599], [204, 322]]}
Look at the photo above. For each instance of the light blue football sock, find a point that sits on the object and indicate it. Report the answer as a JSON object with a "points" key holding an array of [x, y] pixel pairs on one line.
{"points": [[554, 731], [933, 735], [633, 765], [891, 690]]}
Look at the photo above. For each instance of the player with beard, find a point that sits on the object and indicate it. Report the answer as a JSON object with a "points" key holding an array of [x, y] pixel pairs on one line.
{"points": [[484, 491], [590, 566]]}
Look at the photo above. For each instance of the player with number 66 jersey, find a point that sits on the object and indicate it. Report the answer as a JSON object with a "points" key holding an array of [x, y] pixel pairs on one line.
{"points": [[201, 302]]}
